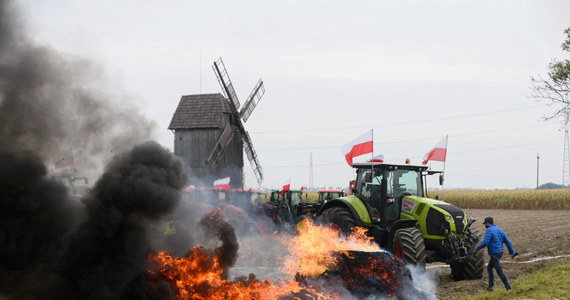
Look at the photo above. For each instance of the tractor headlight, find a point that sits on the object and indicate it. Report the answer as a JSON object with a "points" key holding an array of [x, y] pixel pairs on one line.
{"points": [[448, 217]]}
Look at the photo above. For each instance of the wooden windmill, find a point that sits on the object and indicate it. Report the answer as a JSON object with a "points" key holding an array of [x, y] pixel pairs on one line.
{"points": [[210, 135]]}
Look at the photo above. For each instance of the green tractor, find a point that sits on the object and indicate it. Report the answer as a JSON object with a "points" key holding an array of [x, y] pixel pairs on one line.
{"points": [[286, 209], [390, 201], [326, 195]]}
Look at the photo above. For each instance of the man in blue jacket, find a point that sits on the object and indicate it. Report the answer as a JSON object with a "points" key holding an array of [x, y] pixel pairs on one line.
{"points": [[494, 239]]}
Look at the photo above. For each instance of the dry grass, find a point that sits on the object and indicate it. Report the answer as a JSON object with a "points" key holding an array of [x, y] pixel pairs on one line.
{"points": [[495, 199], [310, 197], [506, 199]]}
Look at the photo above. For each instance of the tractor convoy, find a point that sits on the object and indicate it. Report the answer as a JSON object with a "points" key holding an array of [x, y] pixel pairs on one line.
{"points": [[391, 202]]}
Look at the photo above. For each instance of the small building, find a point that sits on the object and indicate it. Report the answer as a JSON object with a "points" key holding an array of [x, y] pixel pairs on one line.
{"points": [[198, 123]]}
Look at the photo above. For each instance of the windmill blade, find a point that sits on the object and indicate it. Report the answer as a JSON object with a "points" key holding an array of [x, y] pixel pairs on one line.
{"points": [[252, 156], [252, 100], [221, 146], [225, 83]]}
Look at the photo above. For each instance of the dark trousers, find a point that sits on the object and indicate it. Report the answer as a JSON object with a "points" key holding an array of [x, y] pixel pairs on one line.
{"points": [[495, 262]]}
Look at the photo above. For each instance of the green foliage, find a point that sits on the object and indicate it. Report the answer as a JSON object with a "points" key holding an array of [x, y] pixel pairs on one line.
{"points": [[559, 71], [548, 283], [566, 44], [556, 87], [552, 186]]}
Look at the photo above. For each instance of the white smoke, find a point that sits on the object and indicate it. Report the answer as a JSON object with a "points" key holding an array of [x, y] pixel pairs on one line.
{"points": [[425, 280]]}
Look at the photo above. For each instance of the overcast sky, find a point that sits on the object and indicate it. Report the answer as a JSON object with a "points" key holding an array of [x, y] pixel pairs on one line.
{"points": [[413, 71]]}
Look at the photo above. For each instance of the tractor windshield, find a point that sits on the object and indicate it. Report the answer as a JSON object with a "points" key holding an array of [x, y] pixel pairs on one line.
{"points": [[404, 181], [327, 196], [295, 198], [400, 183]]}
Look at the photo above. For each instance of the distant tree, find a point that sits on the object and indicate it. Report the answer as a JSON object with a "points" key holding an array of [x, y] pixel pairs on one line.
{"points": [[551, 186], [555, 89]]}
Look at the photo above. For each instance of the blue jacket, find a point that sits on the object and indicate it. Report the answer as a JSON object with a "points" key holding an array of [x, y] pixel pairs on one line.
{"points": [[495, 237]]}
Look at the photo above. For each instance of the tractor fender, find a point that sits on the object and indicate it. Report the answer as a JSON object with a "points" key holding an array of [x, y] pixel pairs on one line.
{"points": [[354, 205], [405, 223]]}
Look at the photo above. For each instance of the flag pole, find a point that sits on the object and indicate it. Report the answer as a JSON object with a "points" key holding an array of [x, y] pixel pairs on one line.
{"points": [[372, 158], [444, 160]]}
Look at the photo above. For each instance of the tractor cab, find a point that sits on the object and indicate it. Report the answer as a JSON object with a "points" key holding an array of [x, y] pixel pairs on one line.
{"points": [[290, 198], [383, 189], [287, 208], [327, 195]]}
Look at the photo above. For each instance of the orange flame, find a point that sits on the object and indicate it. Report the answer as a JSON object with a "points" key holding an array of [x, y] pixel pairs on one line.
{"points": [[310, 251], [198, 274]]}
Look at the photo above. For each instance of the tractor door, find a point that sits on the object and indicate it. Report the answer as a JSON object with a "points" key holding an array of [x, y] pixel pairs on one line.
{"points": [[294, 200], [369, 187], [401, 183]]}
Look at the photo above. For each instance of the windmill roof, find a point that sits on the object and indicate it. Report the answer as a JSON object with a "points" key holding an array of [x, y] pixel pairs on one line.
{"points": [[199, 111]]}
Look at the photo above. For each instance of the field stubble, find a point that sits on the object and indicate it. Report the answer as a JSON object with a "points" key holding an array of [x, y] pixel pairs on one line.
{"points": [[538, 235], [506, 199]]}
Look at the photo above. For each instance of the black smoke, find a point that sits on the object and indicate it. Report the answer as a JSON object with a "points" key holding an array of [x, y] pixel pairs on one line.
{"points": [[51, 103], [107, 256], [52, 246], [227, 253], [36, 217]]}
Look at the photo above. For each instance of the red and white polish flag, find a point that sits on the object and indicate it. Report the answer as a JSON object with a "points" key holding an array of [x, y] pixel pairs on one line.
{"points": [[437, 153], [359, 146], [222, 184], [377, 158], [286, 186]]}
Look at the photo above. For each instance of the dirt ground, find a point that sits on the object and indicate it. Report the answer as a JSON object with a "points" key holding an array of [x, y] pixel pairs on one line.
{"points": [[537, 235]]}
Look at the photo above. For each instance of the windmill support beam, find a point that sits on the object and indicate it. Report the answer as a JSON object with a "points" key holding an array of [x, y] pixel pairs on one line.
{"points": [[221, 146]]}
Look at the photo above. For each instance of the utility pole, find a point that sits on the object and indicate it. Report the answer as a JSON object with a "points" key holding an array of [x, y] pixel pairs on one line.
{"points": [[566, 158], [311, 171], [537, 168]]}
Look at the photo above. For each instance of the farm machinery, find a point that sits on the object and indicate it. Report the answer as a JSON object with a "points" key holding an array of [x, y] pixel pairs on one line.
{"points": [[326, 195], [286, 209], [390, 201]]}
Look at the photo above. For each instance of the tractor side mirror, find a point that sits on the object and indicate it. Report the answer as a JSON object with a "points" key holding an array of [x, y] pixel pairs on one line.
{"points": [[440, 179]]}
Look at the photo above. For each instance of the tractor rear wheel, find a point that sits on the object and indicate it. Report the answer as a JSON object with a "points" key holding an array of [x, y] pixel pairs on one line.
{"points": [[340, 217], [473, 268], [409, 246]]}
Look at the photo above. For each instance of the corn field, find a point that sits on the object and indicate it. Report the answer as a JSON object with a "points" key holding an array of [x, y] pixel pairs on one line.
{"points": [[506, 199], [495, 199]]}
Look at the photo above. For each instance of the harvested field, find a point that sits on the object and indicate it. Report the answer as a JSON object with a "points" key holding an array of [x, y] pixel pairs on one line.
{"points": [[538, 235]]}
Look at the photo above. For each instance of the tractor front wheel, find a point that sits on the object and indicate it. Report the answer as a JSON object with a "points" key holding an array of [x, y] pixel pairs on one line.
{"points": [[409, 246], [473, 268], [340, 217]]}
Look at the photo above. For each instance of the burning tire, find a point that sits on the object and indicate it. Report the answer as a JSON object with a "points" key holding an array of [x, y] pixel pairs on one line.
{"points": [[473, 268], [409, 246], [341, 217]]}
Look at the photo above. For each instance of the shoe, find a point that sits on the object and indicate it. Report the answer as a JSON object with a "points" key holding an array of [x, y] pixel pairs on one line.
{"points": [[508, 288], [490, 289]]}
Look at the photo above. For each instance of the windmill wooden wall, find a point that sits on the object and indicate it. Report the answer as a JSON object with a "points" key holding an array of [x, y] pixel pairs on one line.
{"points": [[198, 123]]}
